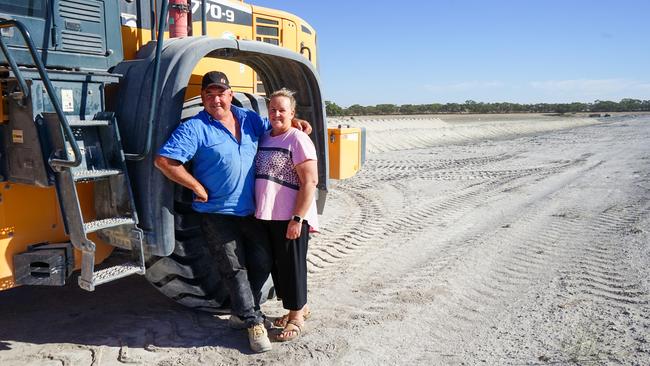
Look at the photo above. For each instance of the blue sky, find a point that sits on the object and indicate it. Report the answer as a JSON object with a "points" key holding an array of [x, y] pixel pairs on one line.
{"points": [[443, 51]]}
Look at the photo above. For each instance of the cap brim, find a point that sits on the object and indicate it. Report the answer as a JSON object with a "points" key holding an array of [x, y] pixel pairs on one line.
{"points": [[224, 86]]}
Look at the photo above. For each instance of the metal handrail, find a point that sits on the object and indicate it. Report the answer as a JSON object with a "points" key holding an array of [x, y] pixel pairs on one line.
{"points": [[153, 109], [204, 19], [303, 48], [54, 162]]}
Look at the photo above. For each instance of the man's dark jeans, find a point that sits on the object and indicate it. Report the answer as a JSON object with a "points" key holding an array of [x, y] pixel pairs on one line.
{"points": [[233, 241]]}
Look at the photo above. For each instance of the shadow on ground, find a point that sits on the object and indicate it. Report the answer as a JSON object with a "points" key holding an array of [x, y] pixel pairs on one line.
{"points": [[128, 312]]}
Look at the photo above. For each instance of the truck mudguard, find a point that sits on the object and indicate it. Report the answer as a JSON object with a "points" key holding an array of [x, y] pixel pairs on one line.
{"points": [[154, 193]]}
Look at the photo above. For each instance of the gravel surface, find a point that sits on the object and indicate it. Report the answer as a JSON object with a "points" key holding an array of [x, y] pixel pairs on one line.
{"points": [[465, 240]]}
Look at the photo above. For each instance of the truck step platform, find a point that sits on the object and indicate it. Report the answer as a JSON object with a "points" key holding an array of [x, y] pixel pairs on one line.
{"points": [[116, 272], [92, 174], [91, 227]]}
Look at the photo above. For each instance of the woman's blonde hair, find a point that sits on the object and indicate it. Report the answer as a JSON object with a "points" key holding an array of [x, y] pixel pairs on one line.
{"points": [[284, 92]]}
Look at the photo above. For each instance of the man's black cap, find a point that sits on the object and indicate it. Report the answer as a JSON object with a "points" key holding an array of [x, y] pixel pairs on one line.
{"points": [[215, 78]]}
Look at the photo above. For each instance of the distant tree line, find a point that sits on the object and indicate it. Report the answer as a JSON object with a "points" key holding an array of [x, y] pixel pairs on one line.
{"points": [[470, 106]]}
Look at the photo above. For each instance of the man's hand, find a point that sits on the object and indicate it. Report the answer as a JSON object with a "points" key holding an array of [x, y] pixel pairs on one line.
{"points": [[302, 125], [200, 193]]}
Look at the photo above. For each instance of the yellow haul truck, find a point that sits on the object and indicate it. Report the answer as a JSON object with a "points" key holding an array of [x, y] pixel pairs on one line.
{"points": [[89, 90]]}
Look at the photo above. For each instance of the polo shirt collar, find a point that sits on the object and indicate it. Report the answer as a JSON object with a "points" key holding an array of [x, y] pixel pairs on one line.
{"points": [[239, 113]]}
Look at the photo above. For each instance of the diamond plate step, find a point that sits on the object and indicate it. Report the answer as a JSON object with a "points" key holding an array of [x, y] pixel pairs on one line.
{"points": [[91, 227], [116, 272], [94, 174], [88, 123]]}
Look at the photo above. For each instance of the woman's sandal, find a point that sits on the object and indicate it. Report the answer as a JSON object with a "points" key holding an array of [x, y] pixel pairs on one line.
{"points": [[292, 330], [282, 321]]}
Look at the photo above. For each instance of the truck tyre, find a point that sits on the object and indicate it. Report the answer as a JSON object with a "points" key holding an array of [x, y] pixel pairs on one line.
{"points": [[189, 275]]}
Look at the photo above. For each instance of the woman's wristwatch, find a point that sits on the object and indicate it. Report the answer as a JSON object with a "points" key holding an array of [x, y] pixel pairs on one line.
{"points": [[297, 219]]}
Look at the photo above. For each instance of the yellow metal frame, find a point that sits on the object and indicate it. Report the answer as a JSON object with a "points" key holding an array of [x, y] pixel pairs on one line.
{"points": [[31, 215]]}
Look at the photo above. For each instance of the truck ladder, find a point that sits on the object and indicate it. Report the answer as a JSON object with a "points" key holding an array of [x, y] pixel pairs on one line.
{"points": [[116, 222], [101, 161]]}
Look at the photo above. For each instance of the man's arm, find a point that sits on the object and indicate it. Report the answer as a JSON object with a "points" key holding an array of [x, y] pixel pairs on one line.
{"points": [[175, 171], [298, 123]]}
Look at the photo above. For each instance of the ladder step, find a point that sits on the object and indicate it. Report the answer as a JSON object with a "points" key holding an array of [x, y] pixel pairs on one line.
{"points": [[94, 174], [116, 272], [93, 226], [88, 122]]}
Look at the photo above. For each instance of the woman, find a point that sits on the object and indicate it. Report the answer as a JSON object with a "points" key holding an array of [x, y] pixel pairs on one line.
{"points": [[286, 175]]}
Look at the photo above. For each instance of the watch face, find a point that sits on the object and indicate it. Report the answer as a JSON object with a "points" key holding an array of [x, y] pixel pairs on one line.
{"points": [[297, 218]]}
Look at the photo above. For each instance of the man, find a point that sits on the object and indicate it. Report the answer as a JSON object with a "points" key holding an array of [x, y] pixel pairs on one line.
{"points": [[222, 141]]}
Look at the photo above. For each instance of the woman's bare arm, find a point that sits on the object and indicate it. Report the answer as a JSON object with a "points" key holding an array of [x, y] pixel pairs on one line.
{"points": [[308, 175]]}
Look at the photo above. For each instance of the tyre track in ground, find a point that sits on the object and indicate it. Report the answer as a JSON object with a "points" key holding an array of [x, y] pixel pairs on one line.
{"points": [[395, 295], [455, 170], [360, 225], [513, 274], [550, 239], [594, 287], [345, 236], [419, 165], [603, 284], [588, 282], [600, 270], [600, 280], [371, 222]]}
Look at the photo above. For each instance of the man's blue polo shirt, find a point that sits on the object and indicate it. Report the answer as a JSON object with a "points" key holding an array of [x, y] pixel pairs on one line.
{"points": [[224, 166]]}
